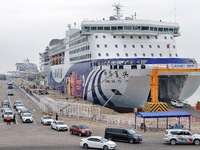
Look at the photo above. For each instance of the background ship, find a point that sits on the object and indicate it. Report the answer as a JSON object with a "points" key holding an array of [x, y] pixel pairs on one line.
{"points": [[109, 62]]}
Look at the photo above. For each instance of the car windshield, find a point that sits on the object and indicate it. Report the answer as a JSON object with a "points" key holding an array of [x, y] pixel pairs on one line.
{"points": [[19, 104], [131, 131], [8, 113], [5, 106], [47, 117], [27, 115], [104, 140], [24, 110], [60, 123], [83, 127]]}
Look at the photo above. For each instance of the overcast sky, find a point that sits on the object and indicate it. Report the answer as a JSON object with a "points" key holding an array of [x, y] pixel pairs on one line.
{"points": [[27, 26]]}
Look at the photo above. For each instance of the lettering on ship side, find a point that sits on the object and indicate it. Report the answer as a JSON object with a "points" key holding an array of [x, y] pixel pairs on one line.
{"points": [[176, 66], [115, 77]]}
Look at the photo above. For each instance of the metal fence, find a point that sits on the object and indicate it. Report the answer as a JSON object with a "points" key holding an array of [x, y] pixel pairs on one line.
{"points": [[93, 113]]}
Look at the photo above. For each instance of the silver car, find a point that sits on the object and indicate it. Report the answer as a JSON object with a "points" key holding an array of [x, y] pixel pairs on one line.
{"points": [[175, 136]]}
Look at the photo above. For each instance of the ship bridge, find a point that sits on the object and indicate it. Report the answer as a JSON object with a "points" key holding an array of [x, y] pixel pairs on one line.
{"points": [[146, 27]]}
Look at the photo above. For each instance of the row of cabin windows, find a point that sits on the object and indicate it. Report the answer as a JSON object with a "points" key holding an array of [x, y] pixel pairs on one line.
{"points": [[82, 40], [82, 57], [133, 46], [174, 30], [140, 37], [80, 49], [135, 54]]}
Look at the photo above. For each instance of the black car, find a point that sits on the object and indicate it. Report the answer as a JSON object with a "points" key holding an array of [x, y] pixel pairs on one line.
{"points": [[122, 134]]}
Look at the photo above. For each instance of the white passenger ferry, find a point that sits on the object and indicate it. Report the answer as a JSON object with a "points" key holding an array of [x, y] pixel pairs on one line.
{"points": [[109, 62]]}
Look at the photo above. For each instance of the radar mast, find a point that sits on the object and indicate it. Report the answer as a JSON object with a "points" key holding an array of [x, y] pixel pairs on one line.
{"points": [[117, 9]]}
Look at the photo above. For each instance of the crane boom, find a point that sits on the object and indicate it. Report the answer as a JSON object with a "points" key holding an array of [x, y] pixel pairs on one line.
{"points": [[154, 82]]}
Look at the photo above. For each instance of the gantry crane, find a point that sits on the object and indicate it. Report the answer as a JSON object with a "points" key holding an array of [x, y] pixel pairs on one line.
{"points": [[155, 105]]}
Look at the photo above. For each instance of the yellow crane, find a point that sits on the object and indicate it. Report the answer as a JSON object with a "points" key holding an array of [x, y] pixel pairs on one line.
{"points": [[154, 82], [155, 105]]}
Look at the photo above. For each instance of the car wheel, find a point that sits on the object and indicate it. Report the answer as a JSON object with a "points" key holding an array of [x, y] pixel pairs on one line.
{"points": [[173, 142], [196, 142], [71, 132], [79, 134], [57, 128], [131, 141], [85, 146], [105, 147], [51, 127]]}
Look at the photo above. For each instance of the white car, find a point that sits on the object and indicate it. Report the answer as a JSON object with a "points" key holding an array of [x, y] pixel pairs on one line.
{"points": [[177, 103], [4, 107], [17, 102], [18, 106], [19, 109], [59, 125], [97, 142], [174, 136], [27, 117], [6, 113], [10, 92], [46, 120], [23, 110]]}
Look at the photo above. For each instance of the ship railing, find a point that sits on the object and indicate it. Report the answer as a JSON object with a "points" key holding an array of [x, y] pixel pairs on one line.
{"points": [[147, 66], [123, 66]]}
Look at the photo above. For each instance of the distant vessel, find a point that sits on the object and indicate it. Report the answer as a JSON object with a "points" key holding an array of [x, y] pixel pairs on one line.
{"points": [[108, 62]]}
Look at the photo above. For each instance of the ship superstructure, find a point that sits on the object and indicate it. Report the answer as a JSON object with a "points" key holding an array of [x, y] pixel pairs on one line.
{"points": [[109, 62]]}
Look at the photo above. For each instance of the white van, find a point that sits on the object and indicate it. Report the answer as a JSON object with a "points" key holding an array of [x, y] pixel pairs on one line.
{"points": [[10, 92]]}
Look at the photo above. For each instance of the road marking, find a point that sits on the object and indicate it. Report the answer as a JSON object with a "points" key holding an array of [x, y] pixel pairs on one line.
{"points": [[34, 121]]}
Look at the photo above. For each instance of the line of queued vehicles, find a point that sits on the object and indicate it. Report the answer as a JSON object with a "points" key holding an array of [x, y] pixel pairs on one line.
{"points": [[24, 113], [121, 134], [172, 136]]}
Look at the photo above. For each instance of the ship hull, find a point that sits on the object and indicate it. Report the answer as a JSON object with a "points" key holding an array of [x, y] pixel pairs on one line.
{"points": [[119, 89]]}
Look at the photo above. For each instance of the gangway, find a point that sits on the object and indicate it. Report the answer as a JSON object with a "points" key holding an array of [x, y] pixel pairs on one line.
{"points": [[155, 105]]}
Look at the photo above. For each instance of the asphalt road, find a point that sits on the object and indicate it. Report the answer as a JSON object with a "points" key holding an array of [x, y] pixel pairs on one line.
{"points": [[35, 136]]}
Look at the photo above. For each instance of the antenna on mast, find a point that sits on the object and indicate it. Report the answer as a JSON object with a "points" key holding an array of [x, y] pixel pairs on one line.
{"points": [[117, 8], [69, 26], [175, 10]]}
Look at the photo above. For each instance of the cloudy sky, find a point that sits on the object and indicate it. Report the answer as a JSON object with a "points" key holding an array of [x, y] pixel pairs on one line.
{"points": [[27, 26]]}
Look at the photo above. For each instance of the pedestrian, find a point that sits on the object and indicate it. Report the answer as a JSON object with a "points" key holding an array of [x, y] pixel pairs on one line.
{"points": [[14, 119], [8, 120], [170, 127], [56, 116]]}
